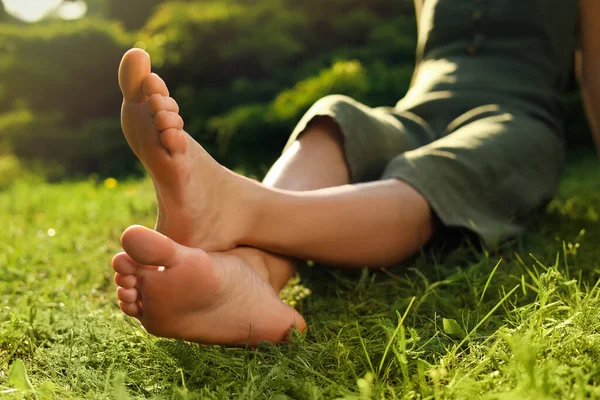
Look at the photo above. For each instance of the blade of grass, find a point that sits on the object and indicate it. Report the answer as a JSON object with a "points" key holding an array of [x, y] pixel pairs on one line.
{"points": [[362, 343], [489, 314], [387, 348], [487, 284]]}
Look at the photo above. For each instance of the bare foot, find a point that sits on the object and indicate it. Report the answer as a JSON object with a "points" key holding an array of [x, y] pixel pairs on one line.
{"points": [[196, 296], [200, 203]]}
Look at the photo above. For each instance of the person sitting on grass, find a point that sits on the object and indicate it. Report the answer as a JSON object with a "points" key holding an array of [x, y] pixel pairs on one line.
{"points": [[476, 143]]}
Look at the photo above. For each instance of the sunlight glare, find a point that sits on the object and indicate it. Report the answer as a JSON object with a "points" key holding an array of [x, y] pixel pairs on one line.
{"points": [[36, 10], [72, 10]]}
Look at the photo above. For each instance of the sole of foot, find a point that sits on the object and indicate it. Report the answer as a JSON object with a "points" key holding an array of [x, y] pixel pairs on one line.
{"points": [[200, 203], [186, 293]]}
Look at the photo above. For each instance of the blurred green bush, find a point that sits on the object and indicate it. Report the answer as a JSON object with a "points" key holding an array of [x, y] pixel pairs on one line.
{"points": [[243, 71], [65, 67], [58, 87], [253, 135]]}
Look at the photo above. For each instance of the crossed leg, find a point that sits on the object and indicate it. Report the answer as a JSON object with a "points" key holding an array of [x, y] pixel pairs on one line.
{"points": [[304, 209], [315, 161]]}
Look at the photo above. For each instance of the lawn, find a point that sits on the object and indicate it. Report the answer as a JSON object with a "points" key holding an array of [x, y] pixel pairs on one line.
{"points": [[518, 322]]}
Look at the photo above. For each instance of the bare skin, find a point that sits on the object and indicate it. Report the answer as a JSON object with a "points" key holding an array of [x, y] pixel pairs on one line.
{"points": [[195, 194], [197, 296], [154, 130], [588, 64], [314, 161], [204, 205]]}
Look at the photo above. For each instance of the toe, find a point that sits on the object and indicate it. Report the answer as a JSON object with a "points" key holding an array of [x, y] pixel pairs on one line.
{"points": [[158, 102], [133, 72], [172, 105], [174, 140], [124, 265], [127, 295], [155, 84], [125, 281], [149, 247], [164, 120], [131, 309]]}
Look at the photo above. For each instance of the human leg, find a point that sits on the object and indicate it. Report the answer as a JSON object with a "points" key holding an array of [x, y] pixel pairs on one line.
{"points": [[202, 204], [153, 129], [314, 161]]}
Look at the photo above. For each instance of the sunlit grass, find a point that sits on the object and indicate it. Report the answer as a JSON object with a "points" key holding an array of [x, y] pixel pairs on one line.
{"points": [[521, 322]]}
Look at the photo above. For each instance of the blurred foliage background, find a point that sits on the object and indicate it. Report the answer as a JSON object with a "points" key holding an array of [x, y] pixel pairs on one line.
{"points": [[243, 72]]}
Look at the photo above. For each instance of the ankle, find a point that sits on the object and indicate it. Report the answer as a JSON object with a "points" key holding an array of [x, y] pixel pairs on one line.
{"points": [[254, 203], [275, 269]]}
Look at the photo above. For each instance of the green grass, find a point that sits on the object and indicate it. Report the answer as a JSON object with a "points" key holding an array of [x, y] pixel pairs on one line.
{"points": [[518, 322]]}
